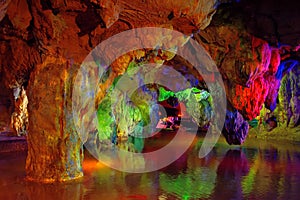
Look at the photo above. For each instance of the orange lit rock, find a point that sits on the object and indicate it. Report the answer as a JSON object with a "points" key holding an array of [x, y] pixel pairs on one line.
{"points": [[110, 12], [47, 41], [19, 118], [17, 60], [19, 15], [54, 147]]}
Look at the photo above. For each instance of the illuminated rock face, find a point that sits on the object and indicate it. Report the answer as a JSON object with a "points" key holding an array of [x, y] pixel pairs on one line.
{"points": [[235, 128], [46, 41], [288, 110], [19, 118], [54, 148], [248, 65]]}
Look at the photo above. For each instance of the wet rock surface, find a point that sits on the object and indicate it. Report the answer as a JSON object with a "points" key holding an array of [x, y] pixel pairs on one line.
{"points": [[235, 128]]}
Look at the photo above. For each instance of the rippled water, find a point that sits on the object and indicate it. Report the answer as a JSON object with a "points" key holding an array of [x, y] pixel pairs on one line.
{"points": [[256, 170]]}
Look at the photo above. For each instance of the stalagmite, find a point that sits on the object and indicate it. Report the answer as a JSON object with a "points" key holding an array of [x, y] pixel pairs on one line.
{"points": [[19, 118]]}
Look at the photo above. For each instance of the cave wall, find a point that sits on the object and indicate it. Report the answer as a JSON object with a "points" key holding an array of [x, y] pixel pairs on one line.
{"points": [[42, 45], [6, 107], [287, 111]]}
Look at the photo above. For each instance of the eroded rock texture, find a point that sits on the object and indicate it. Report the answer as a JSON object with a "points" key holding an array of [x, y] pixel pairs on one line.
{"points": [[46, 40], [248, 64], [19, 118], [54, 147], [6, 106], [288, 111], [43, 43], [235, 128]]}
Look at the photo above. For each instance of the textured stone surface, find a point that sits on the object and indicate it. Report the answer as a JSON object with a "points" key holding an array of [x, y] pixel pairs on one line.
{"points": [[288, 110], [19, 15], [3, 8], [6, 107], [248, 64], [54, 148], [241, 57], [235, 128], [48, 38], [19, 118]]}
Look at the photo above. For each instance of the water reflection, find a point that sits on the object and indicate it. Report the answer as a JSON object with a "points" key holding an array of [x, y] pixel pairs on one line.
{"points": [[257, 170], [229, 175], [274, 173], [52, 191]]}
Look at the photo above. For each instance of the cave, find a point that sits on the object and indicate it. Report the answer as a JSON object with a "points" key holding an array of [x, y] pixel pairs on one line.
{"points": [[146, 99]]}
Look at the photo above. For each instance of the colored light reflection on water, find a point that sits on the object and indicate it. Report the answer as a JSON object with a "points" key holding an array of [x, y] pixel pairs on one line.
{"points": [[257, 170]]}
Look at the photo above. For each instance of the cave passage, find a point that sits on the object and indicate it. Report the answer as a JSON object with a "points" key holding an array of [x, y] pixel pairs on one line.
{"points": [[148, 110], [55, 125]]}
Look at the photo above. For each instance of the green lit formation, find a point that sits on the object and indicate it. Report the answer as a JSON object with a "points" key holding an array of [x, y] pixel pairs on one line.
{"points": [[105, 119], [198, 103], [121, 116]]}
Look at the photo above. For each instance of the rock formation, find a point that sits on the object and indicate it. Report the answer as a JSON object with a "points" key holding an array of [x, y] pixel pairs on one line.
{"points": [[287, 112], [19, 118]]}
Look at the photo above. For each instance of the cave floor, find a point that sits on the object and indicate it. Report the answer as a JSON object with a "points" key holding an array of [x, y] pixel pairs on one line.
{"points": [[256, 170], [10, 143], [4, 138]]}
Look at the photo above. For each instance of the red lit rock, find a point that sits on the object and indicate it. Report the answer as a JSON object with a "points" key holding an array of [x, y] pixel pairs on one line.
{"points": [[248, 65], [248, 101], [3, 8]]}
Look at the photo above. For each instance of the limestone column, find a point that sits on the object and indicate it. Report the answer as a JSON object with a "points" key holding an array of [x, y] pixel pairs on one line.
{"points": [[54, 149]]}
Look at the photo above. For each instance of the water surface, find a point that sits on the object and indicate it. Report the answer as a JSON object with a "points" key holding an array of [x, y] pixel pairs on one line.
{"points": [[255, 170]]}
